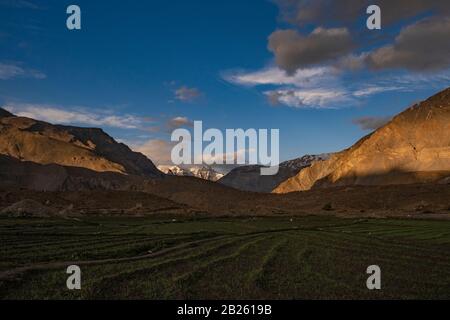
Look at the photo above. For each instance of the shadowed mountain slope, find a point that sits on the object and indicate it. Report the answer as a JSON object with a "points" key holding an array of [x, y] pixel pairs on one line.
{"points": [[249, 178]]}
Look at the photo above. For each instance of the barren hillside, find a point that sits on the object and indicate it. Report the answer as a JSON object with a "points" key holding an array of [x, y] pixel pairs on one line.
{"points": [[414, 147]]}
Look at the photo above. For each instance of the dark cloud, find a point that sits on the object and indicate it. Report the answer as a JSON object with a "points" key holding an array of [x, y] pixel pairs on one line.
{"points": [[293, 50], [274, 97], [421, 46], [338, 12], [352, 62], [187, 94], [371, 123]]}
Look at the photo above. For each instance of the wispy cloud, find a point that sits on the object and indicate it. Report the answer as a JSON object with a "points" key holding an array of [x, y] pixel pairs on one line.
{"points": [[418, 80], [19, 4], [14, 70], [79, 115], [312, 98], [328, 86], [276, 76], [179, 122], [370, 90], [315, 87], [187, 94]]}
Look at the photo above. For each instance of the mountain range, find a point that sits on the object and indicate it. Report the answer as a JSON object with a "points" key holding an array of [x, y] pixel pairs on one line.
{"points": [[248, 178], [198, 171], [412, 148]]}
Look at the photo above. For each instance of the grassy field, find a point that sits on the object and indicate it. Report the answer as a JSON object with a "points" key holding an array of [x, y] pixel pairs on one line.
{"points": [[253, 258]]}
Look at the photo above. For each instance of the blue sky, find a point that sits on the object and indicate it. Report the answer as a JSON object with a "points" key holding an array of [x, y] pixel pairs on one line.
{"points": [[140, 68]]}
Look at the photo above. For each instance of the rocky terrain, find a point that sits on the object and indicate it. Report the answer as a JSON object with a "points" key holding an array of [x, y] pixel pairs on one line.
{"points": [[91, 148], [248, 178], [414, 147], [72, 191], [421, 201]]}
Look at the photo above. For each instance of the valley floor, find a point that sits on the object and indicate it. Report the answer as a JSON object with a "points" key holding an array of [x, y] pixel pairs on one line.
{"points": [[307, 257]]}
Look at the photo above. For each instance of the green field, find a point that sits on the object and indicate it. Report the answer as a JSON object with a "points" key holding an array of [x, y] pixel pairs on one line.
{"points": [[231, 258]]}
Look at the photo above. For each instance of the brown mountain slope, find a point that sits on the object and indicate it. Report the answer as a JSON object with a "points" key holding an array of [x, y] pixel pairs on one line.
{"points": [[413, 147], [91, 148]]}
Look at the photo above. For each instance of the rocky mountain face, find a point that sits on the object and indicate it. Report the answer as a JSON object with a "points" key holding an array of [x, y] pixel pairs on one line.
{"points": [[202, 172], [249, 178], [4, 113], [43, 143], [414, 147]]}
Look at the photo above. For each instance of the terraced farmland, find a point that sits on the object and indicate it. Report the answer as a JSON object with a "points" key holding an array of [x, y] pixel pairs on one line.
{"points": [[252, 258]]}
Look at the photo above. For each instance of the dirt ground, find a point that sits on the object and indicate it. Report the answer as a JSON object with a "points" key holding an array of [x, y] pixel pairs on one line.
{"points": [[415, 201]]}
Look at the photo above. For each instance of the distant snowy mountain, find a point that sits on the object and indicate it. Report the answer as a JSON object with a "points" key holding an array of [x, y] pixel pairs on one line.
{"points": [[305, 161], [199, 171], [174, 170], [249, 178]]}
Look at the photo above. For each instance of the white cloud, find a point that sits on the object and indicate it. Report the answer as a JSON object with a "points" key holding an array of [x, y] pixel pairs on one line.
{"points": [[370, 90], [178, 122], [414, 81], [187, 94], [315, 87], [74, 116], [314, 98], [158, 150], [9, 71], [328, 86], [276, 76]]}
